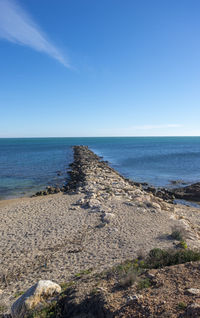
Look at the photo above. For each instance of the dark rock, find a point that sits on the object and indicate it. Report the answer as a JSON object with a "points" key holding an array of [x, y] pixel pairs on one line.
{"points": [[151, 189], [190, 193], [50, 190], [57, 190], [193, 310], [39, 193], [174, 182]]}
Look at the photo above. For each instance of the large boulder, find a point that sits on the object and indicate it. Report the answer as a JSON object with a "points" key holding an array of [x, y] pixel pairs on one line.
{"points": [[32, 297]]}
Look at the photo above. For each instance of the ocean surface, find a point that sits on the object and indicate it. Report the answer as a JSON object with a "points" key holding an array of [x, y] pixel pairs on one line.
{"points": [[30, 164]]}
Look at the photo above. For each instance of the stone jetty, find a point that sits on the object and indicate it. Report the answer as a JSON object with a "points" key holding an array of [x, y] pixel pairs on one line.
{"points": [[99, 182], [89, 172]]}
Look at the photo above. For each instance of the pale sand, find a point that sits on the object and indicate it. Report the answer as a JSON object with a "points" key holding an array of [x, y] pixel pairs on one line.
{"points": [[53, 238]]}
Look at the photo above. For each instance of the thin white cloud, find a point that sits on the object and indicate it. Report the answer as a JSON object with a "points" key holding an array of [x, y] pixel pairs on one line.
{"points": [[16, 26], [150, 127]]}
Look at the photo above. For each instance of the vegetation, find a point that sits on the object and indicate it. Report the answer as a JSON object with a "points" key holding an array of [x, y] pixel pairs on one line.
{"points": [[84, 272], [129, 279], [182, 305], [158, 258], [50, 311], [64, 286], [178, 233], [129, 272], [144, 283], [183, 244]]}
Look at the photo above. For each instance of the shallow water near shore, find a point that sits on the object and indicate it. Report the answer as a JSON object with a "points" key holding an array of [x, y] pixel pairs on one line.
{"points": [[30, 164]]}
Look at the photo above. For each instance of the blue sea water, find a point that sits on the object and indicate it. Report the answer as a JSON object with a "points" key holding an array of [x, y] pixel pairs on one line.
{"points": [[30, 164]]}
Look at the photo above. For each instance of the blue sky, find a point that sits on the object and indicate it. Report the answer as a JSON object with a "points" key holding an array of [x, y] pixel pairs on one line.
{"points": [[99, 68]]}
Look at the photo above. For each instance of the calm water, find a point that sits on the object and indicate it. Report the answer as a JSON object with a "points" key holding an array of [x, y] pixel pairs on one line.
{"points": [[27, 165]]}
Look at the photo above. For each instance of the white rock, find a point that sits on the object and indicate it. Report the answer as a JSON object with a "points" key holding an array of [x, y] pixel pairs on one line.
{"points": [[193, 291], [34, 295], [173, 217], [134, 297]]}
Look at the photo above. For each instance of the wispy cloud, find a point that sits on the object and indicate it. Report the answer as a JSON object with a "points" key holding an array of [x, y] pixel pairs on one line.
{"points": [[150, 127], [16, 26]]}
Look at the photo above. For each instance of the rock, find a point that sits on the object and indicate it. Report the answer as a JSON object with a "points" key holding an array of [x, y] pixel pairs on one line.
{"points": [[191, 192], [129, 203], [193, 310], [39, 193], [193, 291], [151, 276], [32, 297], [107, 217], [138, 198], [80, 201], [153, 205], [50, 190], [134, 297], [1, 291], [94, 204], [151, 189], [174, 182]]}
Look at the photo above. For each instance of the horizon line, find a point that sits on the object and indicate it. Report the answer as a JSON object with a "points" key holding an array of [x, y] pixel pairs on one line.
{"points": [[153, 136]]}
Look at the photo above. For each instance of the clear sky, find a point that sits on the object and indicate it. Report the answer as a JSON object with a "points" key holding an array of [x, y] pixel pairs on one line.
{"points": [[99, 68]]}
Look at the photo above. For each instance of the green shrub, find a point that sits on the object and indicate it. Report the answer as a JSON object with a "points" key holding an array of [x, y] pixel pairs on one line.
{"points": [[128, 272], [183, 244], [159, 258], [144, 283], [182, 305]]}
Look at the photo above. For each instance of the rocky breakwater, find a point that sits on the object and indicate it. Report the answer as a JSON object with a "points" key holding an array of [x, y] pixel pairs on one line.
{"points": [[101, 184]]}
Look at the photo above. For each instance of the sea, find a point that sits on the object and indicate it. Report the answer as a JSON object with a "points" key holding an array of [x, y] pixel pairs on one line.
{"points": [[30, 164]]}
